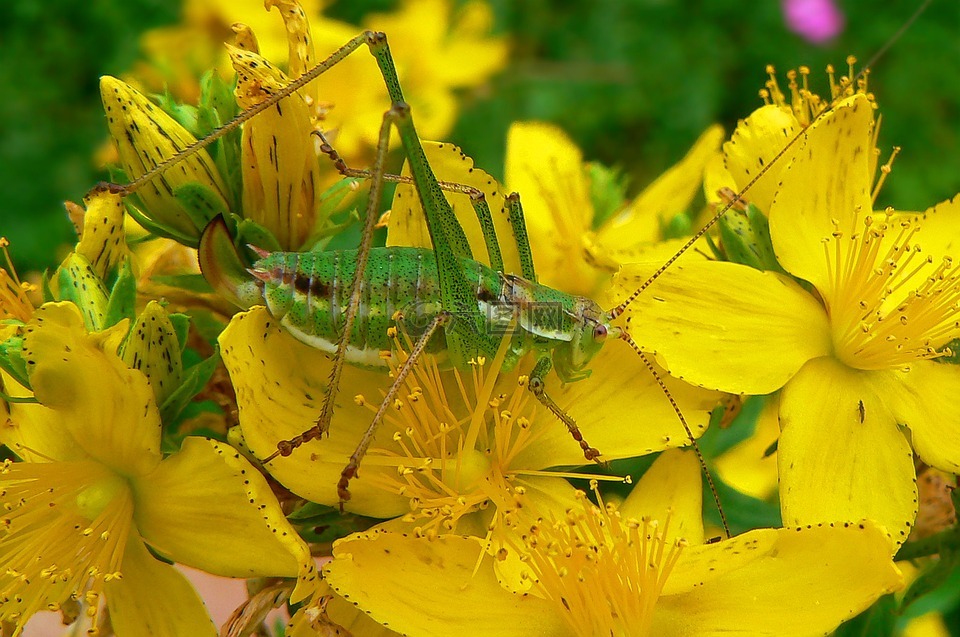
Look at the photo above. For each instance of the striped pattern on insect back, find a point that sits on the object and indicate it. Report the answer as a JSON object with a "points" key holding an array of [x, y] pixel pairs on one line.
{"points": [[309, 293]]}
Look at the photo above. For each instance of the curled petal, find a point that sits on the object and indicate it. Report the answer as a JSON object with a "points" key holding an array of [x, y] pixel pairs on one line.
{"points": [[107, 408]]}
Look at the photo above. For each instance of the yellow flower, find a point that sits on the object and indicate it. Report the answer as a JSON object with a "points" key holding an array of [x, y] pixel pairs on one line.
{"points": [[856, 360], [14, 300], [456, 442], [94, 492], [760, 138], [638, 570], [547, 169], [179, 55], [437, 49]]}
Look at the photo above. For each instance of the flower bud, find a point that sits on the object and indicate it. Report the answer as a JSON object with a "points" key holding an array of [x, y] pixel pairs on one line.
{"points": [[145, 137]]}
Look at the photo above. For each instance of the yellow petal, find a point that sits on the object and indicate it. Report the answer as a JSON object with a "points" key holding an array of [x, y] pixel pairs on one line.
{"points": [[717, 324], [35, 432], [153, 600], [620, 409], [671, 194], [842, 457], [107, 408], [434, 587], [939, 232], [671, 489], [228, 523], [925, 400], [777, 582], [828, 180], [280, 386], [754, 144], [546, 168]]}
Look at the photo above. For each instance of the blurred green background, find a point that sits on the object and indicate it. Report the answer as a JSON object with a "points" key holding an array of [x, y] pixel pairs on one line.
{"points": [[633, 81]]}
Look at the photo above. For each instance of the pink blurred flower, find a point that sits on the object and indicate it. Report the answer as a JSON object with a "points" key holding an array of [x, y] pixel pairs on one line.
{"points": [[817, 21]]}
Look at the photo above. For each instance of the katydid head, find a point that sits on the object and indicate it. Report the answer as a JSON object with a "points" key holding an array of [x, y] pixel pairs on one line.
{"points": [[224, 268], [591, 328]]}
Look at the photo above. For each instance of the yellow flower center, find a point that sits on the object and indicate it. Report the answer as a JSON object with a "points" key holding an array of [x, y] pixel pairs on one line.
{"points": [[804, 103], [890, 304], [603, 572], [456, 441], [14, 302], [63, 529]]}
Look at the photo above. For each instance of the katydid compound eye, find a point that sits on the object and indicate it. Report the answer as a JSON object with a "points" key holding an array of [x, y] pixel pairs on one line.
{"points": [[600, 332]]}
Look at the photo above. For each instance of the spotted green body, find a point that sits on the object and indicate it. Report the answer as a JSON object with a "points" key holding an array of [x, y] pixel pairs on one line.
{"points": [[308, 293]]}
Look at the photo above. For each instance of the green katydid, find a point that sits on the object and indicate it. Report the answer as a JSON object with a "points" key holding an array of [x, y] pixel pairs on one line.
{"points": [[473, 303]]}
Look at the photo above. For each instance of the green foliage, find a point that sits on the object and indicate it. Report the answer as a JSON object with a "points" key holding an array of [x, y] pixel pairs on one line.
{"points": [[52, 56]]}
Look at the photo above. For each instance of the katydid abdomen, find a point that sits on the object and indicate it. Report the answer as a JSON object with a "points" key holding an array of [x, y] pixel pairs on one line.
{"points": [[308, 292]]}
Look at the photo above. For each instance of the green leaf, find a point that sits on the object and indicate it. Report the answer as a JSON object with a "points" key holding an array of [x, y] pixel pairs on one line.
{"points": [[188, 282], [877, 621], [194, 380], [935, 577], [123, 296], [11, 360], [200, 203], [181, 326]]}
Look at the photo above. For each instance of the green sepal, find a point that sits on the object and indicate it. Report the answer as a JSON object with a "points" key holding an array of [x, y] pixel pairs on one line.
{"points": [[250, 232], [123, 296], [46, 289], [218, 106], [321, 524], [184, 114], [330, 204], [194, 283], [200, 203], [11, 360], [194, 380], [181, 326], [79, 284], [608, 191], [933, 578], [745, 237], [222, 262], [155, 228]]}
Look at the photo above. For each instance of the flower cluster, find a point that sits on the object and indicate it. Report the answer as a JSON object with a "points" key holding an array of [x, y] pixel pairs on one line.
{"points": [[797, 357]]}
